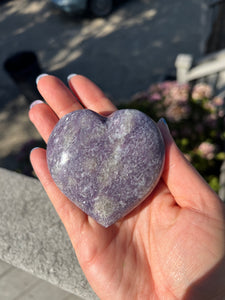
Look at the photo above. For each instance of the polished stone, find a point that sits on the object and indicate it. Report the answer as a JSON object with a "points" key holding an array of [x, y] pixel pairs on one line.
{"points": [[106, 165]]}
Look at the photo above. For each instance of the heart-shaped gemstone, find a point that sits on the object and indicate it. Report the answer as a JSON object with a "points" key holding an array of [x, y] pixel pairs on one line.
{"points": [[106, 165]]}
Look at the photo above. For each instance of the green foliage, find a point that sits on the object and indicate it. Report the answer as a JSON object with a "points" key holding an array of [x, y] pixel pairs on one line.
{"points": [[195, 119]]}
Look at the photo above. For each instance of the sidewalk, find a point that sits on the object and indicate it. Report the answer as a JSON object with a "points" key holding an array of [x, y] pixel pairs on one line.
{"points": [[19, 285], [216, 39], [125, 53]]}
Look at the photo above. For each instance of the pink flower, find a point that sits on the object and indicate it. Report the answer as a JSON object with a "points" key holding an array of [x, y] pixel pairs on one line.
{"points": [[207, 150], [217, 101], [179, 93], [177, 111], [155, 97], [201, 91], [170, 91], [175, 92], [218, 104]]}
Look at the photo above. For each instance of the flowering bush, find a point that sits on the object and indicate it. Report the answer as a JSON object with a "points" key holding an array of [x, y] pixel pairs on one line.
{"points": [[195, 119]]}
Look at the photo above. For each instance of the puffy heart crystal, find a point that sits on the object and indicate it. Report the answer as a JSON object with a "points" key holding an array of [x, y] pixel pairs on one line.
{"points": [[106, 165]]}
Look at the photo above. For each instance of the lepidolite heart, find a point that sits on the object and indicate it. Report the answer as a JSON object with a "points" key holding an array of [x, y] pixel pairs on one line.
{"points": [[106, 165]]}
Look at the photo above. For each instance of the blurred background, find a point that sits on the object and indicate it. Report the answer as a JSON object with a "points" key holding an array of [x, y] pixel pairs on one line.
{"points": [[134, 46]]}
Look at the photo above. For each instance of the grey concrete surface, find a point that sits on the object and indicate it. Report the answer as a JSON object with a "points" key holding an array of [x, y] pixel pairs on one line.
{"points": [[16, 284], [124, 53], [33, 238]]}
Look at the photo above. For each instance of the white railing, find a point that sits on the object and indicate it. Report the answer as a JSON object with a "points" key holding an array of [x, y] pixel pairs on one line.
{"points": [[213, 64]]}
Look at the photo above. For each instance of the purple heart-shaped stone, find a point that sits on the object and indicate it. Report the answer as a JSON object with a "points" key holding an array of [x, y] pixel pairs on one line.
{"points": [[106, 165]]}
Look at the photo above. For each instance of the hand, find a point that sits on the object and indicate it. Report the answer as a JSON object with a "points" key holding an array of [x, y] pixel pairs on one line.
{"points": [[170, 247]]}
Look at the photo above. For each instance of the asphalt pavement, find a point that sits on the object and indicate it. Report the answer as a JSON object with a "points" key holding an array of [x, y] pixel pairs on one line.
{"points": [[123, 53]]}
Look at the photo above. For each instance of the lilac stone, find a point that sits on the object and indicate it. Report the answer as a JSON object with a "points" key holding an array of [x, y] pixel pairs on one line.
{"points": [[106, 165]]}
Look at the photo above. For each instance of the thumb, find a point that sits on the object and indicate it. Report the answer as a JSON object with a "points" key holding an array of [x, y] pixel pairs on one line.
{"points": [[186, 185]]}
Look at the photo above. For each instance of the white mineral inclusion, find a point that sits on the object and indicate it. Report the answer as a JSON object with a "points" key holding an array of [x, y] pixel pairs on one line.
{"points": [[64, 158], [106, 165]]}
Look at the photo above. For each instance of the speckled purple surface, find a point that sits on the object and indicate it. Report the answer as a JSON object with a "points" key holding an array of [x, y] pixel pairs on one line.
{"points": [[106, 165]]}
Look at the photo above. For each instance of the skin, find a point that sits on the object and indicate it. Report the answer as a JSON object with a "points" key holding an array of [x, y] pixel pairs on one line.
{"points": [[170, 247]]}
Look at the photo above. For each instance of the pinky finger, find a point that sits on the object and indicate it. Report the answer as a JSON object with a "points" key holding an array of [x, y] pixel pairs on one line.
{"points": [[44, 119], [69, 213]]}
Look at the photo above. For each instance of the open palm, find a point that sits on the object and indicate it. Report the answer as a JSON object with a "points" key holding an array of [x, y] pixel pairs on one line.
{"points": [[170, 247]]}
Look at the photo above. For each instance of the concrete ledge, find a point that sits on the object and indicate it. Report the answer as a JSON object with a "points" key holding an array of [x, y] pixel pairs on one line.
{"points": [[33, 238]]}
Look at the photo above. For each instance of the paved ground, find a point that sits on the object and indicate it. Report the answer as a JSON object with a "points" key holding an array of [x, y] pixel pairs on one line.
{"points": [[124, 53], [19, 285], [216, 39]]}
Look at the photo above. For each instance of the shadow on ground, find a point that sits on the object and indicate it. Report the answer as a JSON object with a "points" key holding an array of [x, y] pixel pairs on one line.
{"points": [[124, 53]]}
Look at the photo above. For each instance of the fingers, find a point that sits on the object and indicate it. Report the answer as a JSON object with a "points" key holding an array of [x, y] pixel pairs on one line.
{"points": [[44, 119], [85, 94], [57, 95], [90, 95], [62, 101], [184, 182], [72, 217]]}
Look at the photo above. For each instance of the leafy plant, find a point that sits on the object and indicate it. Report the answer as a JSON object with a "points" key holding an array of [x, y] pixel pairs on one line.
{"points": [[195, 119]]}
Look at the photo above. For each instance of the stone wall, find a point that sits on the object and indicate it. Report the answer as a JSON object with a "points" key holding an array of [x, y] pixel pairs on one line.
{"points": [[33, 238]]}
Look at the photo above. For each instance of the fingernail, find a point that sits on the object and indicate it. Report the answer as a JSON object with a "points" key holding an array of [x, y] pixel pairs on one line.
{"points": [[163, 120], [40, 76], [34, 149], [35, 103], [164, 128], [164, 124], [70, 76]]}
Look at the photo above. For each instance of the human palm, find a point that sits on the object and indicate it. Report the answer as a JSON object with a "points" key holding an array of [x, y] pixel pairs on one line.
{"points": [[170, 247]]}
